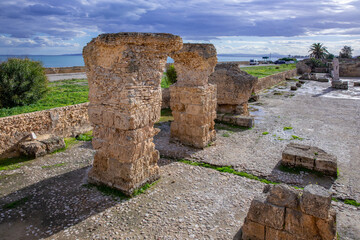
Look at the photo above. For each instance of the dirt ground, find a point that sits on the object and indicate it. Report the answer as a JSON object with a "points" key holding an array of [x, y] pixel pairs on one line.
{"points": [[191, 202]]}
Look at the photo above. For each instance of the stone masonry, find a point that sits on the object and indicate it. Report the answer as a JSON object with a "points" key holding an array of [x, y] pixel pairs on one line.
{"points": [[193, 99], [234, 88], [124, 72], [289, 214], [313, 158]]}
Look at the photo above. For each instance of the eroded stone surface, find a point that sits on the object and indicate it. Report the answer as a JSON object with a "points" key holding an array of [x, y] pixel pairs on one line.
{"points": [[278, 212], [124, 72], [193, 100], [299, 155], [234, 88]]}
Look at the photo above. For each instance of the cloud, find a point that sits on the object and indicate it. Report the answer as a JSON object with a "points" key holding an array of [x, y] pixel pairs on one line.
{"points": [[205, 20]]}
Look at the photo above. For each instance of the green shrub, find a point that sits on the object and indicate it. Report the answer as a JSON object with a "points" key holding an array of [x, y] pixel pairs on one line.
{"points": [[171, 74], [22, 82]]}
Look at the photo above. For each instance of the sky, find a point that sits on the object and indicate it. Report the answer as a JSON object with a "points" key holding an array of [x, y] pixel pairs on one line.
{"points": [[285, 27]]}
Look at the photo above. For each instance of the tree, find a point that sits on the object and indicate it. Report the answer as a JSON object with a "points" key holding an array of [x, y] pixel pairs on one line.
{"points": [[22, 82], [318, 51], [346, 52]]}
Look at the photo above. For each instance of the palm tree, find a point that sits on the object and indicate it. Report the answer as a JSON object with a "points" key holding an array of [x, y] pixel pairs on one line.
{"points": [[317, 50]]}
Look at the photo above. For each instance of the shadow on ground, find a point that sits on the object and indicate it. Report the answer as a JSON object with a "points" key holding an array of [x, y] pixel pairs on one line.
{"points": [[47, 207], [300, 177]]}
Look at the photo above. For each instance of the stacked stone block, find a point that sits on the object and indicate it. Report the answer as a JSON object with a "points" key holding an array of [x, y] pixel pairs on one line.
{"points": [[124, 72], [288, 214], [313, 158], [193, 99], [234, 88]]}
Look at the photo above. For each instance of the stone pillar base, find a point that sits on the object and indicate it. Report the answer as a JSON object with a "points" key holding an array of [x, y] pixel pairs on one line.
{"points": [[340, 85], [194, 111], [129, 162]]}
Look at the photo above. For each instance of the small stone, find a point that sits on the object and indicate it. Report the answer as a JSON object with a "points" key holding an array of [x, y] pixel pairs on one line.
{"points": [[316, 201], [298, 84], [356, 84], [293, 88], [33, 149], [53, 144]]}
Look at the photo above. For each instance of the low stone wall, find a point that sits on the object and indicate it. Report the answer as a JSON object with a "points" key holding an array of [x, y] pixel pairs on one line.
{"points": [[64, 122], [269, 81], [349, 68], [57, 70]]}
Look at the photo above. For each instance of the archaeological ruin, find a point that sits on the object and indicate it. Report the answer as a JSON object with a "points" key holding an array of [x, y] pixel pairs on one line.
{"points": [[234, 88], [192, 98], [124, 72], [286, 213]]}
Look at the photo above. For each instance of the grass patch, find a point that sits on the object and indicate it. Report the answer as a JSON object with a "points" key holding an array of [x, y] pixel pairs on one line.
{"points": [[226, 134], [85, 136], [219, 125], [265, 133], [287, 128], [13, 163], [53, 166], [263, 71], [228, 169], [294, 137], [16, 203], [61, 93], [166, 115], [297, 170], [352, 202]]}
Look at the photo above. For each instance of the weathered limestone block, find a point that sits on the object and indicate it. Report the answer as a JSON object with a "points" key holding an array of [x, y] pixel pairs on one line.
{"points": [[274, 234], [239, 120], [124, 72], [327, 228], [284, 196], [234, 88], [53, 143], [266, 213], [253, 231], [298, 155], [340, 85], [302, 68], [193, 100], [301, 224], [33, 149], [194, 111], [316, 201]]}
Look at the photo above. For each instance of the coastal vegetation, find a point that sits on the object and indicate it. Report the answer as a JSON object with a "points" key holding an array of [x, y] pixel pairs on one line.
{"points": [[59, 94], [22, 82], [318, 51], [263, 71]]}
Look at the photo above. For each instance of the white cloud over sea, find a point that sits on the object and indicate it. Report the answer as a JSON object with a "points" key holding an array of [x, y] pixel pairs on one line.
{"points": [[234, 26]]}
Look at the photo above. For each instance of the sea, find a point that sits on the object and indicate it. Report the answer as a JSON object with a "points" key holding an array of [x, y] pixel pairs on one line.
{"points": [[77, 59]]}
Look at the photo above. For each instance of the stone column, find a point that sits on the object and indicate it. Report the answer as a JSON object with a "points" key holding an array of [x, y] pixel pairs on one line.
{"points": [[335, 71], [193, 99], [124, 72], [336, 82]]}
